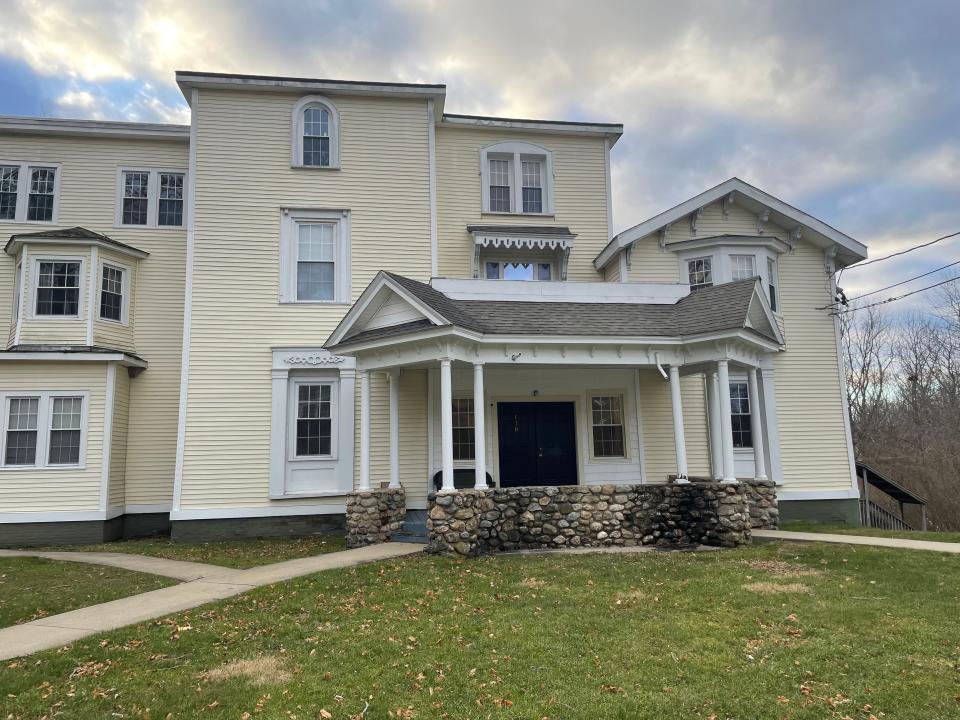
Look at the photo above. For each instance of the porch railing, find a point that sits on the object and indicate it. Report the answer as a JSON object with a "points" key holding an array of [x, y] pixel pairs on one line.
{"points": [[874, 516]]}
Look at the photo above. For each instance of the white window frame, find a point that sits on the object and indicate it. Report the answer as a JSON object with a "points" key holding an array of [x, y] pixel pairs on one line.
{"points": [[773, 270], [23, 191], [734, 258], [292, 402], [126, 284], [153, 197], [291, 219], [517, 152], [82, 279], [686, 270], [501, 262], [296, 139], [44, 417], [622, 394], [465, 461]]}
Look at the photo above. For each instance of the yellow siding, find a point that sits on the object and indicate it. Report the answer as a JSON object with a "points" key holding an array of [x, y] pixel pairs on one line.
{"points": [[579, 196], [383, 181], [51, 489], [656, 413], [118, 443], [611, 273]]}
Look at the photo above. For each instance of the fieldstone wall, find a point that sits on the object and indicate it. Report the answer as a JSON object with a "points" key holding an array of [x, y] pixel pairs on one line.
{"points": [[473, 522], [762, 500], [374, 515]]}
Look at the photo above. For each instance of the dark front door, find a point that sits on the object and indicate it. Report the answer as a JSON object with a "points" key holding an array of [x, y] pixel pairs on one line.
{"points": [[538, 443]]}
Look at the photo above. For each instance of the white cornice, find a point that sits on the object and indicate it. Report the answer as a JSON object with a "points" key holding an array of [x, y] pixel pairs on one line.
{"points": [[103, 128], [611, 131]]}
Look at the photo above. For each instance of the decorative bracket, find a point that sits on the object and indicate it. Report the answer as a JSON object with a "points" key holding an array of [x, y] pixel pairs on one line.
{"points": [[694, 219], [628, 254], [564, 260], [794, 237], [663, 236], [314, 359]]}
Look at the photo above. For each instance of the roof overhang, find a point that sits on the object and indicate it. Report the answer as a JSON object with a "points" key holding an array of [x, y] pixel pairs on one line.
{"points": [[16, 242], [55, 353], [189, 79], [533, 238], [765, 241], [96, 128], [610, 131], [849, 251]]}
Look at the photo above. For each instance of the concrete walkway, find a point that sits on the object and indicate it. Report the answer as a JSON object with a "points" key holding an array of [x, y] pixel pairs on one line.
{"points": [[899, 543], [209, 583]]}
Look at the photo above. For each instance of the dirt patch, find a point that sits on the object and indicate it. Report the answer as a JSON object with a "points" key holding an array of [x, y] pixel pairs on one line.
{"points": [[779, 568], [769, 588], [265, 670], [532, 583], [629, 598]]}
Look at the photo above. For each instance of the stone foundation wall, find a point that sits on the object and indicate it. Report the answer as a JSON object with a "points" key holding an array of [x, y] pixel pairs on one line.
{"points": [[762, 500], [374, 515], [473, 522]]}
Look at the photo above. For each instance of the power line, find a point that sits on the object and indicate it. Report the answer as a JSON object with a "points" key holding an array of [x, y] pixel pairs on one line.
{"points": [[898, 297], [902, 252], [889, 287]]}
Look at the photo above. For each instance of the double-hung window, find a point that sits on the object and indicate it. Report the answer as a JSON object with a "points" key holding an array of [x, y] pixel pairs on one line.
{"points": [[606, 420], [57, 288], [43, 429], [700, 273], [740, 419], [151, 198], [742, 267], [315, 256], [314, 420], [463, 431], [28, 192], [772, 284], [111, 293], [517, 177], [315, 135]]}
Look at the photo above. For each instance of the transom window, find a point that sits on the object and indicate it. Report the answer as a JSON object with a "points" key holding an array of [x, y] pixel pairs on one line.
{"points": [[315, 256], [496, 270], [740, 419], [315, 138], [151, 198], [43, 430], [314, 425], [28, 193], [606, 418], [58, 288], [463, 429], [111, 293], [700, 273], [741, 267], [517, 177]]}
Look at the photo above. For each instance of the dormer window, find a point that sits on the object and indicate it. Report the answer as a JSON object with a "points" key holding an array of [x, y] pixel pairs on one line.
{"points": [[700, 273], [316, 141], [517, 178]]}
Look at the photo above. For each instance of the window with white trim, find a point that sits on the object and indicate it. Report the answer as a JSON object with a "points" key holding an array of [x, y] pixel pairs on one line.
{"points": [[700, 273], [315, 134], [57, 288], [151, 198], [315, 256], [606, 421], [742, 267], [740, 419], [464, 438], [43, 429], [518, 270], [314, 426], [112, 282], [772, 284], [28, 192], [517, 178]]}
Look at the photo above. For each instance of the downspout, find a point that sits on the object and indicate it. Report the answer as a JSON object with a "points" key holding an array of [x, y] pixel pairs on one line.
{"points": [[656, 359]]}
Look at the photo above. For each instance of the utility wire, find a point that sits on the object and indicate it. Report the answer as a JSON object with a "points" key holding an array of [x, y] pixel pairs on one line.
{"points": [[857, 266], [897, 297], [888, 287]]}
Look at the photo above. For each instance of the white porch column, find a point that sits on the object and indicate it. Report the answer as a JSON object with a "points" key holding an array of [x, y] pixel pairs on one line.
{"points": [[726, 431], [713, 407], [479, 429], [394, 378], [446, 425], [768, 391], [756, 428], [681, 445], [364, 429]]}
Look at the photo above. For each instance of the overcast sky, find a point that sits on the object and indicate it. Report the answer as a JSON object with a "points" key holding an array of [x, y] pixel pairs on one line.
{"points": [[848, 110]]}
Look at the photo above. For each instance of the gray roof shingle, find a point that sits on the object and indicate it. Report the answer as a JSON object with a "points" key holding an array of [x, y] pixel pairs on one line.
{"points": [[74, 233]]}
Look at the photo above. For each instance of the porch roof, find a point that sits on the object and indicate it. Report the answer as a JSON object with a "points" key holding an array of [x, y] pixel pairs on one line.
{"points": [[710, 310]]}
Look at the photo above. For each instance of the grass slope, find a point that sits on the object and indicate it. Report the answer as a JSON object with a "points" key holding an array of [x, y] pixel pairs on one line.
{"points": [[773, 631], [803, 526], [238, 554], [32, 588]]}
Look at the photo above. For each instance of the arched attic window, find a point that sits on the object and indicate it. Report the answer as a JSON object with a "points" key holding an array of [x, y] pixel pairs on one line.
{"points": [[517, 178], [316, 133]]}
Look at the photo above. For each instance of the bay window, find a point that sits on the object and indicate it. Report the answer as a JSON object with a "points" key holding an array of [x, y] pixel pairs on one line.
{"points": [[741, 267], [57, 288], [112, 293], [700, 273]]}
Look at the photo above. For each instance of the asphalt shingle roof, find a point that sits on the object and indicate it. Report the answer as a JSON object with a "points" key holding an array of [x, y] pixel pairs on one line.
{"points": [[74, 233]]}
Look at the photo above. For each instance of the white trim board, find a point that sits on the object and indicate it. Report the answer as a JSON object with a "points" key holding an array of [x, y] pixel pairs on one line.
{"points": [[250, 512]]}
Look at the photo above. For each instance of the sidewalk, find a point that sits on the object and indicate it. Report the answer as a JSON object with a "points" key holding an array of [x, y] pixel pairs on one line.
{"points": [[205, 583], [899, 543]]}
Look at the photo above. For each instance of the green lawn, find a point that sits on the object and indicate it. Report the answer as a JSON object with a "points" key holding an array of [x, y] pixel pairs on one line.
{"points": [[32, 588], [802, 526], [228, 553], [787, 630]]}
